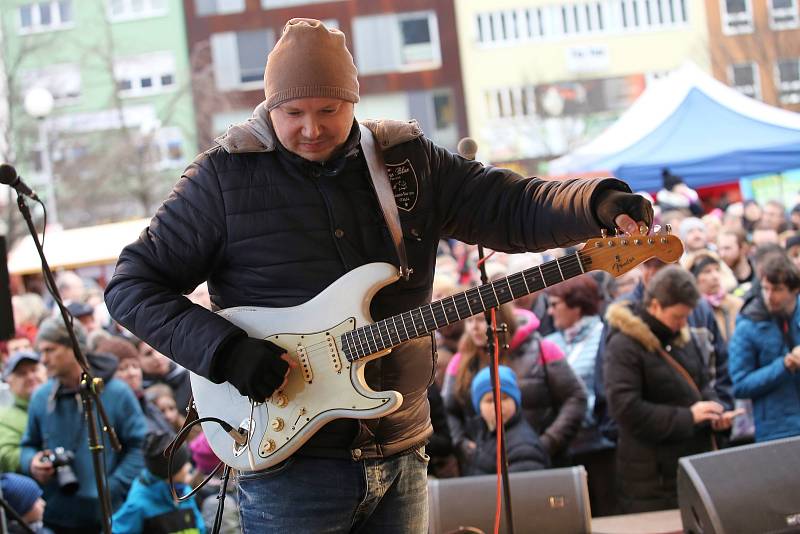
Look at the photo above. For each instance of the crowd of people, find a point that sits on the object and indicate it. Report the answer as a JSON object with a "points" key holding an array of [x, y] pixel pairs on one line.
{"points": [[623, 376]]}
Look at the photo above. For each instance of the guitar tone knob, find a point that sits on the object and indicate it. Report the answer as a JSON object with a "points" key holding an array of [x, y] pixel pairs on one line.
{"points": [[269, 446], [280, 400], [277, 424]]}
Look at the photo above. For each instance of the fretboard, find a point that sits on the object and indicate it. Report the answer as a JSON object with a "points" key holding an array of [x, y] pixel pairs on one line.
{"points": [[419, 322]]}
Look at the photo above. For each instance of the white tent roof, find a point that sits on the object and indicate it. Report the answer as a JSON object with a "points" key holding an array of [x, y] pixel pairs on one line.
{"points": [[78, 247]]}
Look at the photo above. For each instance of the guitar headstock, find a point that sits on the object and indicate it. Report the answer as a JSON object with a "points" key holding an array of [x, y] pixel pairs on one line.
{"points": [[619, 254]]}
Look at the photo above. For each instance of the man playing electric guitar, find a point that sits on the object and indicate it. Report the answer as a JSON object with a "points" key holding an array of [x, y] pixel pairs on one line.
{"points": [[281, 209]]}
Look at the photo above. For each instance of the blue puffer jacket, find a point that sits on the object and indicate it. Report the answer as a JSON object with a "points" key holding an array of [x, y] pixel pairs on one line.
{"points": [[756, 351], [55, 419], [149, 505]]}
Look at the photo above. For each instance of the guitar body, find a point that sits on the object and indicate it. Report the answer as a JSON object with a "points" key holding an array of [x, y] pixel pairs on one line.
{"points": [[332, 337], [324, 386]]}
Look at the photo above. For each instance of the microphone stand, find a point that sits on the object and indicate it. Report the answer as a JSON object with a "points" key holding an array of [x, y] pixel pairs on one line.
{"points": [[90, 387], [491, 333], [467, 149]]}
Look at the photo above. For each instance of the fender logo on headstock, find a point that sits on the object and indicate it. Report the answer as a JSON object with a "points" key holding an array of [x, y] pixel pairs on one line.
{"points": [[620, 265]]}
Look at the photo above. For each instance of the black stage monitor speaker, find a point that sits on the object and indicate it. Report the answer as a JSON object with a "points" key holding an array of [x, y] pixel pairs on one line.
{"points": [[552, 500], [755, 488], [6, 314]]}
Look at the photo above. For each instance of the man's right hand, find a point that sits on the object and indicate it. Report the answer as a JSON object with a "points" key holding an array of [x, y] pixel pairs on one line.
{"points": [[792, 360], [41, 470], [706, 411], [255, 367]]}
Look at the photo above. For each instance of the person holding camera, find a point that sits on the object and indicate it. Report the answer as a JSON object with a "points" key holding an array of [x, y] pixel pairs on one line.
{"points": [[55, 447]]}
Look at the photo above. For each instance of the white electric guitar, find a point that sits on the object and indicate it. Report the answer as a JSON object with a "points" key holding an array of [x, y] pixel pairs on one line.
{"points": [[332, 337]]}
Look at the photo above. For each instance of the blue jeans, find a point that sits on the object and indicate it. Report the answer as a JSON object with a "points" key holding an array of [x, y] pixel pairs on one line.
{"points": [[317, 495]]}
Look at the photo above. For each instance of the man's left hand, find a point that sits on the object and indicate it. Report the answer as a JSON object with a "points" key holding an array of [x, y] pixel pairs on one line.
{"points": [[626, 211]]}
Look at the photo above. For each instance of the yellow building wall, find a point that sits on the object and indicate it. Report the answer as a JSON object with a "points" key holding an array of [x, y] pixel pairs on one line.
{"points": [[487, 66]]}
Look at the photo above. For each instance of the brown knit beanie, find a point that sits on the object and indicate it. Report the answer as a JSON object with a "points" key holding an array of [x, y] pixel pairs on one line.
{"points": [[309, 60]]}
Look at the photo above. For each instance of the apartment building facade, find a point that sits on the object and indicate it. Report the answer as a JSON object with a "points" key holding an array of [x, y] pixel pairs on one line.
{"points": [[406, 52], [755, 47], [543, 76], [122, 123]]}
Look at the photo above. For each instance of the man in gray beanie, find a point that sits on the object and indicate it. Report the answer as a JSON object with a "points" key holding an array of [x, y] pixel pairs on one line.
{"points": [[282, 208], [57, 432]]}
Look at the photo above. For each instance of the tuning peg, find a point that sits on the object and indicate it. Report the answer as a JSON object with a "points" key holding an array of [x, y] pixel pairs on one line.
{"points": [[603, 233], [668, 228], [657, 229], [643, 229]]}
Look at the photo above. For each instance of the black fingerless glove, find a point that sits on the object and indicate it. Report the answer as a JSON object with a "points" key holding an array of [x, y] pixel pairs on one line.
{"points": [[611, 203], [253, 366]]}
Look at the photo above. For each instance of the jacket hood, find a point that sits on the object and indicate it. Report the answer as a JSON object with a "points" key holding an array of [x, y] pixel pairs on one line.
{"points": [[256, 134], [103, 365], [622, 317], [527, 324], [755, 309]]}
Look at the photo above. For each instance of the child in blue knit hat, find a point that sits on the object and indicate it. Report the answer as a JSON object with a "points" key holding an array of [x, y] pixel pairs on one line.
{"points": [[24, 496], [523, 448]]}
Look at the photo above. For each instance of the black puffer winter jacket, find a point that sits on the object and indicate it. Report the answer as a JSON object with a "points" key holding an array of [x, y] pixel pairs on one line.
{"points": [[268, 228]]}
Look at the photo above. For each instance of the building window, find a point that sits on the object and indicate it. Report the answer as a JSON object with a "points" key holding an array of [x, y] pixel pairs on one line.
{"points": [[240, 58], [444, 112], [737, 16], [274, 4], [783, 14], [511, 102], [788, 74], [145, 74], [396, 42], [122, 10], [744, 78], [63, 81], [573, 19], [218, 7], [45, 16]]}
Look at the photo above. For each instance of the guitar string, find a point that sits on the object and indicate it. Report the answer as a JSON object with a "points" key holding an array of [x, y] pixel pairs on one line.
{"points": [[547, 270], [572, 265]]}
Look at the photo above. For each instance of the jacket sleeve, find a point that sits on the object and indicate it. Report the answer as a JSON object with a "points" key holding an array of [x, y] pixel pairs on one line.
{"points": [[172, 256], [509, 213], [454, 412], [131, 428], [9, 449], [646, 420], [569, 394], [128, 519], [32, 438], [527, 454], [440, 443], [749, 380]]}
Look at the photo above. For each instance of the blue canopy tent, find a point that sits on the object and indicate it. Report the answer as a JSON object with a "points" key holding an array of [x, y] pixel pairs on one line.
{"points": [[697, 127]]}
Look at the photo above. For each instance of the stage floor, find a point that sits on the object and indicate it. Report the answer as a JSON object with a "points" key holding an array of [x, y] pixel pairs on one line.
{"points": [[662, 522]]}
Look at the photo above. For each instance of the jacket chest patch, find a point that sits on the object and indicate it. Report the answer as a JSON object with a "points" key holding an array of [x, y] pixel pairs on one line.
{"points": [[405, 185]]}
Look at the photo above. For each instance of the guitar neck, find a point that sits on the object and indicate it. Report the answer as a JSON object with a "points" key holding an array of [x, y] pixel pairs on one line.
{"points": [[419, 322]]}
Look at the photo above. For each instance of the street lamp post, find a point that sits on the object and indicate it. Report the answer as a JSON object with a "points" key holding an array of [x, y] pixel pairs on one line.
{"points": [[39, 104]]}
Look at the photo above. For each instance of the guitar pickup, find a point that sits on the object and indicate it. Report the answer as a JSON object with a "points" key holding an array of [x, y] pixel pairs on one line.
{"points": [[305, 363], [333, 353]]}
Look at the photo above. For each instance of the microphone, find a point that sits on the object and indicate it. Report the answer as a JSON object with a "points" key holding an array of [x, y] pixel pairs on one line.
{"points": [[467, 148], [8, 176]]}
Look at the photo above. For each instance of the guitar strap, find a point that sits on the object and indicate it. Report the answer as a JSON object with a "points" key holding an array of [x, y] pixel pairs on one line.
{"points": [[672, 362], [383, 189]]}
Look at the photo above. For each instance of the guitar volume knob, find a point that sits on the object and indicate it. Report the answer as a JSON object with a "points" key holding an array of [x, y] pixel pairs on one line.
{"points": [[280, 400], [277, 424]]}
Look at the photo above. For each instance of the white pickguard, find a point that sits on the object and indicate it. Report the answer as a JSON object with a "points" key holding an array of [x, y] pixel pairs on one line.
{"points": [[330, 387]]}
